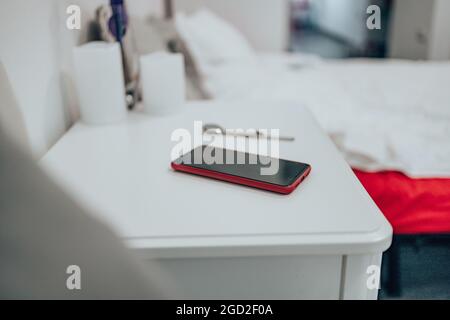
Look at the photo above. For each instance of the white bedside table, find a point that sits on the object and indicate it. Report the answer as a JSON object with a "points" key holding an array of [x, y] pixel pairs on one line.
{"points": [[220, 240]]}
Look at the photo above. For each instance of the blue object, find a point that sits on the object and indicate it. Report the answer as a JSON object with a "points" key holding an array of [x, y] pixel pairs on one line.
{"points": [[119, 20]]}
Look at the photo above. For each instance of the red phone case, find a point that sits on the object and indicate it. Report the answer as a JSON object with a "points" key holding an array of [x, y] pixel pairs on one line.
{"points": [[242, 181]]}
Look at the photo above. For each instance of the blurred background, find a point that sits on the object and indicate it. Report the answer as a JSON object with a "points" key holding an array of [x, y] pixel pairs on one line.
{"points": [[411, 29], [36, 50], [337, 29]]}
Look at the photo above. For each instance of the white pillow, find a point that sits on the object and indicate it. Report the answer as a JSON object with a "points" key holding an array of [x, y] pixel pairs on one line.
{"points": [[211, 39]]}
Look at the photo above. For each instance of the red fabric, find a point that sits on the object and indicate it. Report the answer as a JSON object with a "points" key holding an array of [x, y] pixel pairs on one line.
{"points": [[412, 206]]}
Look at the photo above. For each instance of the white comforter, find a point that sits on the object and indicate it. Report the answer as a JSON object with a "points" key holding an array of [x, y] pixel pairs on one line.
{"points": [[383, 115]]}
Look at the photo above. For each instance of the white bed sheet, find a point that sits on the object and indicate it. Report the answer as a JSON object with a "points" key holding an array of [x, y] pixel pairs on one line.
{"points": [[382, 114]]}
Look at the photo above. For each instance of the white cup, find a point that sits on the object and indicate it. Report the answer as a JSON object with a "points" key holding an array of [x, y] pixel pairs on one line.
{"points": [[163, 82], [100, 82]]}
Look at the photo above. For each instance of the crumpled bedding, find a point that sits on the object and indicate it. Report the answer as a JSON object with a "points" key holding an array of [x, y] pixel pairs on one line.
{"points": [[382, 114]]}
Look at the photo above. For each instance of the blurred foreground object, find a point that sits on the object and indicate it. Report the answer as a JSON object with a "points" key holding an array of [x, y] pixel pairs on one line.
{"points": [[10, 116], [43, 232]]}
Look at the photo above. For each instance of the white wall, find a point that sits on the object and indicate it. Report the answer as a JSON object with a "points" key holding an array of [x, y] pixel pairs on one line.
{"points": [[265, 23], [440, 35], [410, 29], [29, 52], [343, 18]]}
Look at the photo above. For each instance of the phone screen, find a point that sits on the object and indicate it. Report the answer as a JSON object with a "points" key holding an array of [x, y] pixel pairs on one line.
{"points": [[265, 169]]}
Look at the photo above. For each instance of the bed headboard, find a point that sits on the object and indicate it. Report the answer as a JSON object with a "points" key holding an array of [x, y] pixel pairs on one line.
{"points": [[265, 23]]}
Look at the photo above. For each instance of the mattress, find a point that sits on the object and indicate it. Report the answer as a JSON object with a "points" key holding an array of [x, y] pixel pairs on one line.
{"points": [[412, 206]]}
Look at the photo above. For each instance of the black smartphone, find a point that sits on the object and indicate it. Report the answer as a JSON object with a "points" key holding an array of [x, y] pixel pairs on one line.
{"points": [[272, 174]]}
